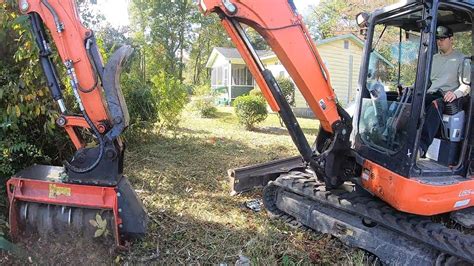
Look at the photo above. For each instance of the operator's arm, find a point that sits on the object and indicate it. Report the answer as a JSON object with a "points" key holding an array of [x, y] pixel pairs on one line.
{"points": [[282, 27], [75, 45], [95, 86], [464, 73]]}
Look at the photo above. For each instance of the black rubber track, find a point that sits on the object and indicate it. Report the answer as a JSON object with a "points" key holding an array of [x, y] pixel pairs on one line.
{"points": [[422, 229]]}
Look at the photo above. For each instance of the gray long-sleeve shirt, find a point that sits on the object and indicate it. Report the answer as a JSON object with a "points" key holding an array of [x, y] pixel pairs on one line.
{"points": [[446, 74]]}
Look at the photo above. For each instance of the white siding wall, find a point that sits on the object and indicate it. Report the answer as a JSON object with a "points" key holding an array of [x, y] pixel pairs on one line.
{"points": [[344, 76], [224, 64]]}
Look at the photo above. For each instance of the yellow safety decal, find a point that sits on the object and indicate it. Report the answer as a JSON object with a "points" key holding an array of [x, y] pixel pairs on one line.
{"points": [[55, 191]]}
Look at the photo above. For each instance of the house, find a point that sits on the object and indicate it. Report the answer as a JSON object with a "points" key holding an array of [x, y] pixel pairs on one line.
{"points": [[230, 76], [341, 55]]}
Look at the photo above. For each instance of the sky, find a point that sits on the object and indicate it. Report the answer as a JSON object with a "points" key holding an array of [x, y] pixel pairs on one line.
{"points": [[116, 11]]}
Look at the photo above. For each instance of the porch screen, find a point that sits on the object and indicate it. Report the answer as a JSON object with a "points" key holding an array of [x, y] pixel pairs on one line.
{"points": [[241, 76]]}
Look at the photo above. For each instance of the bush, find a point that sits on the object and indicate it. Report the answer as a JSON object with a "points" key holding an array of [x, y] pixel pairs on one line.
{"points": [[172, 97], [288, 89], [250, 110], [205, 107], [202, 90], [256, 92], [142, 106]]}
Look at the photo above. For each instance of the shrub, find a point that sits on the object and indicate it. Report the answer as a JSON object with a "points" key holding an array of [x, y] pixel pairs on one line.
{"points": [[202, 90], [142, 106], [288, 89], [172, 97], [250, 110], [256, 92], [205, 107]]}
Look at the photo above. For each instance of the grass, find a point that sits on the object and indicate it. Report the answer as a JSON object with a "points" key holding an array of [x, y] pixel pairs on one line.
{"points": [[181, 177]]}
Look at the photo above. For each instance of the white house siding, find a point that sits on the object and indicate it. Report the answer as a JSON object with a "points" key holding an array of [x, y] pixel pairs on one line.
{"points": [[337, 60], [220, 62], [277, 69]]}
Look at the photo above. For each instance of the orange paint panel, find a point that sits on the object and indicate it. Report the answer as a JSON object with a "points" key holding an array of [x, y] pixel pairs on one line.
{"points": [[76, 140], [413, 196], [71, 46]]}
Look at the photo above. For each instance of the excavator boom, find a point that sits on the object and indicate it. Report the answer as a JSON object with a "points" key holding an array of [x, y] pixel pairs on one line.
{"points": [[288, 37]]}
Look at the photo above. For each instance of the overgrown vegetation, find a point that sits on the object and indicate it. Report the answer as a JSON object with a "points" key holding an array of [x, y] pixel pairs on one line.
{"points": [[27, 118], [203, 101], [250, 110], [288, 89]]}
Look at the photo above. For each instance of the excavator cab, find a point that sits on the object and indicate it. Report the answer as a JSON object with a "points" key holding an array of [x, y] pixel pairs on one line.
{"points": [[394, 82], [395, 79]]}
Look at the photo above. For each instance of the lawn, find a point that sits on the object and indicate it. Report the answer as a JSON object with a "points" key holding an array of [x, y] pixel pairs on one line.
{"points": [[181, 177]]}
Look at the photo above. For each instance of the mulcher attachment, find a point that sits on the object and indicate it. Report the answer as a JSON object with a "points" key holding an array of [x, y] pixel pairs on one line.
{"points": [[40, 201]]}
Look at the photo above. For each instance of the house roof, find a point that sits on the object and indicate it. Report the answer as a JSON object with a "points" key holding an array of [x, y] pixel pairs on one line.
{"points": [[232, 53]]}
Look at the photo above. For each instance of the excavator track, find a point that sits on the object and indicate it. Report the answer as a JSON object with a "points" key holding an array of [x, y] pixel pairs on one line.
{"points": [[363, 221]]}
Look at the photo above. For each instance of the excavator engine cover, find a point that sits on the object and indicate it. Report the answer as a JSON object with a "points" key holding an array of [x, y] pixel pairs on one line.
{"points": [[41, 201]]}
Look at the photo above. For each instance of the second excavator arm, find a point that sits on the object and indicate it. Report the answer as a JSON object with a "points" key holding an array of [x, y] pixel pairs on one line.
{"points": [[278, 22], [95, 87]]}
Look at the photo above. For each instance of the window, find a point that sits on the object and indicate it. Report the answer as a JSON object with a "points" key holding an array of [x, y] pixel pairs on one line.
{"points": [[225, 76], [393, 62], [241, 76], [213, 76], [346, 44]]}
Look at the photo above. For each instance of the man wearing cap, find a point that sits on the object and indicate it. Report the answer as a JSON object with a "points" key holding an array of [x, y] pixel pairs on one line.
{"points": [[446, 84]]}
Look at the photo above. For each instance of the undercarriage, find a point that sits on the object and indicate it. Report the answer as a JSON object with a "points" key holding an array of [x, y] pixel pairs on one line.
{"points": [[363, 221], [359, 219]]}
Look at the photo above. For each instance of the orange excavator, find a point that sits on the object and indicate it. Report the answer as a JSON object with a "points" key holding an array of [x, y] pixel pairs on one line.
{"points": [[92, 184], [362, 180]]}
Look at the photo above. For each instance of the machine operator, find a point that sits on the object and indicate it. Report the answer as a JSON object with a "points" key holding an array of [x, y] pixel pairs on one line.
{"points": [[446, 85]]}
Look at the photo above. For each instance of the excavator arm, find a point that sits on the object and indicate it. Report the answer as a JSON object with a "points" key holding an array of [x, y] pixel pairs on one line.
{"points": [[96, 90], [92, 183], [278, 22]]}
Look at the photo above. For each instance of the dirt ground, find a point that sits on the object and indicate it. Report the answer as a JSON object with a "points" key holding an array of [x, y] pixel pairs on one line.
{"points": [[181, 176]]}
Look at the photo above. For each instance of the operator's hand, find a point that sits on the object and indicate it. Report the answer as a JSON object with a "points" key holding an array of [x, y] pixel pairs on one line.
{"points": [[449, 96]]}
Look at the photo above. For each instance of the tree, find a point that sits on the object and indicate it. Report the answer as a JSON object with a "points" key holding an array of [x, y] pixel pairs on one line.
{"points": [[167, 25], [208, 34], [336, 17]]}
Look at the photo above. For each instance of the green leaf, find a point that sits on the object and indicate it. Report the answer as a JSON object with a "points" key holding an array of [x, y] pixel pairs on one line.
{"points": [[103, 224], [99, 232], [21, 20], [93, 223], [98, 218]]}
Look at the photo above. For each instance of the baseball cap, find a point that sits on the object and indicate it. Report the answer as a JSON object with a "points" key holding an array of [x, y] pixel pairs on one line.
{"points": [[443, 32]]}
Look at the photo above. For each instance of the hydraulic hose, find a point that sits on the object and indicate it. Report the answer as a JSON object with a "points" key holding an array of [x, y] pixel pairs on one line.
{"points": [[101, 149]]}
